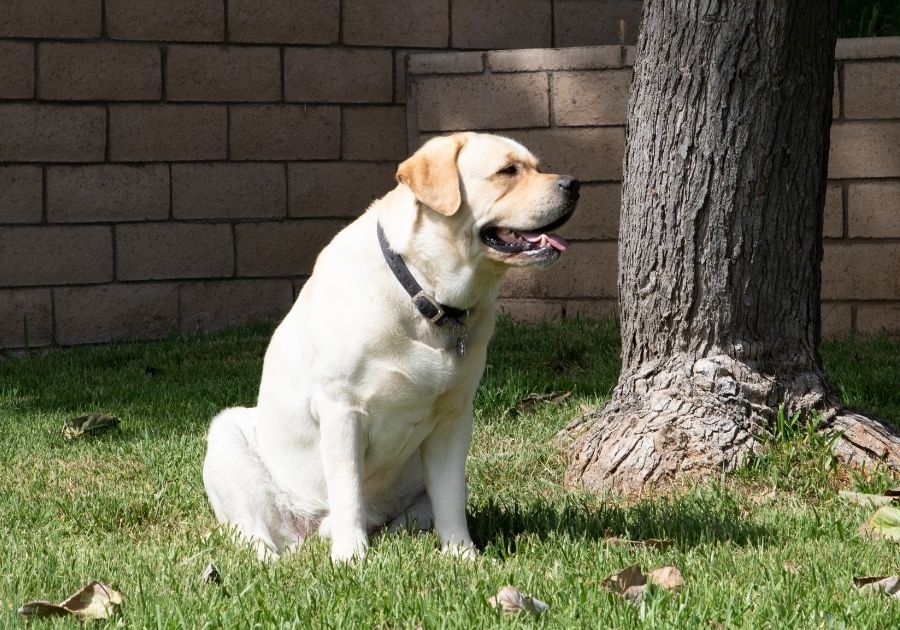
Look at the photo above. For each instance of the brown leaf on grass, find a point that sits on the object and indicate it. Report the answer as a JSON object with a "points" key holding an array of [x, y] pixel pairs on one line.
{"points": [[631, 583], [667, 577], [533, 400], [791, 567], [513, 601], [94, 601], [887, 584], [883, 524], [41, 608], [89, 423]]}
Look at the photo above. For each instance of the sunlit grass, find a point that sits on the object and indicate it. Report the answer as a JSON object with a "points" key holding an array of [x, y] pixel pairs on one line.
{"points": [[128, 507]]}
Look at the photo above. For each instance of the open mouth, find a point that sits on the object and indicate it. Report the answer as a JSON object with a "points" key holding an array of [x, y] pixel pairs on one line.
{"points": [[516, 241]]}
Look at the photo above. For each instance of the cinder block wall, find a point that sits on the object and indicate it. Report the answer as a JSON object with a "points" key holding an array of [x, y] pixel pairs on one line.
{"points": [[569, 107], [176, 165]]}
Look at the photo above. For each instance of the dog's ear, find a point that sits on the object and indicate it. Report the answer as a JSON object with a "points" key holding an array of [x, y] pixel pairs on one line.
{"points": [[432, 175]]}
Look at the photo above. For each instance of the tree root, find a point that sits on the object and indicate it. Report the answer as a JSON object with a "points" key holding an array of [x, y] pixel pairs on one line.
{"points": [[631, 450], [664, 426], [865, 441]]}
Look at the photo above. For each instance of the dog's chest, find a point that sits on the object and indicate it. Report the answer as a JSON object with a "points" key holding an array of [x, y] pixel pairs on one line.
{"points": [[406, 397], [418, 374]]}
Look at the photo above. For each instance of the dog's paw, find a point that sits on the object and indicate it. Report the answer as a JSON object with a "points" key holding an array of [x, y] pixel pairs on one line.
{"points": [[464, 549], [348, 547], [264, 552]]}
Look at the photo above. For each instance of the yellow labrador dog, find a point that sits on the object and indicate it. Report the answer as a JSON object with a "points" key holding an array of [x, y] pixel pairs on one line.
{"points": [[364, 415]]}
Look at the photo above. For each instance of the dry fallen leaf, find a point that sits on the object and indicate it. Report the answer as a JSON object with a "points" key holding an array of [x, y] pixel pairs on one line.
{"points": [[41, 608], [889, 585], [667, 577], [94, 601], [533, 400], [631, 583], [883, 524], [556, 398], [89, 423], [512, 601]]}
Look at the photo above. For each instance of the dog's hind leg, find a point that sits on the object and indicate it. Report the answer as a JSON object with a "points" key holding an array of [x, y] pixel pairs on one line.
{"points": [[241, 489]]}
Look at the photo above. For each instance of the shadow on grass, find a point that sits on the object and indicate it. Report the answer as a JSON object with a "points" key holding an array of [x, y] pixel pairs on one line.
{"points": [[179, 384], [866, 374], [703, 515], [165, 387], [575, 354]]}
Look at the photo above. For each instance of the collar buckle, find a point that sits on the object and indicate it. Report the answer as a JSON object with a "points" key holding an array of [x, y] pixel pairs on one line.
{"points": [[437, 313], [428, 306]]}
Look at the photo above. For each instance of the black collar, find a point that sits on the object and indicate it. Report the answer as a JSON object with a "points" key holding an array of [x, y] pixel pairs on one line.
{"points": [[439, 314]]}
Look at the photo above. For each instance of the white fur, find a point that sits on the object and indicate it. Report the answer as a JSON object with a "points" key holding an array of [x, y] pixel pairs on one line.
{"points": [[364, 415]]}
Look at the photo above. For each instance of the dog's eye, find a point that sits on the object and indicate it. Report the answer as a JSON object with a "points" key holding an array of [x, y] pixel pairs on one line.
{"points": [[510, 170]]}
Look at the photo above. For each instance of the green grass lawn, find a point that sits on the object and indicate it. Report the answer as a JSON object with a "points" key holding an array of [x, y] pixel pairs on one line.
{"points": [[128, 508]]}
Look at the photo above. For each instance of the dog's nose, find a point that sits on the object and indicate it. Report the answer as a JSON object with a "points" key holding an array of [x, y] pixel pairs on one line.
{"points": [[569, 184]]}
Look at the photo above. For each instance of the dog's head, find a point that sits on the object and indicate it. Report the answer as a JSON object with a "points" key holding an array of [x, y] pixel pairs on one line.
{"points": [[492, 186]]}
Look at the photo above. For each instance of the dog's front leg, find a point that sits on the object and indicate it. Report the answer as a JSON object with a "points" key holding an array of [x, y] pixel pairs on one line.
{"points": [[343, 448], [444, 455]]}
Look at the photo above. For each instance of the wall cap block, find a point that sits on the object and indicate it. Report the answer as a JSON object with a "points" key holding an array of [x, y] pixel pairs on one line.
{"points": [[540, 59], [445, 62], [867, 48]]}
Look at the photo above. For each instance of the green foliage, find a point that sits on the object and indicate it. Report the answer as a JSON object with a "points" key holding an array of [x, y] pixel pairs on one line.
{"points": [[795, 456], [869, 18], [578, 354], [875, 480], [866, 373]]}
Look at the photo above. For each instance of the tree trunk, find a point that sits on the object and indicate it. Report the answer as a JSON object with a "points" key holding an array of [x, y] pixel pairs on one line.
{"points": [[720, 244]]}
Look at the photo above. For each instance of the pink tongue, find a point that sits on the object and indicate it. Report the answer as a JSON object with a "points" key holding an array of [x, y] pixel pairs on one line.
{"points": [[555, 241]]}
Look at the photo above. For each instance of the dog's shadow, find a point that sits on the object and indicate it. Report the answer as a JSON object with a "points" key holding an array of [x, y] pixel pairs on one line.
{"points": [[683, 521]]}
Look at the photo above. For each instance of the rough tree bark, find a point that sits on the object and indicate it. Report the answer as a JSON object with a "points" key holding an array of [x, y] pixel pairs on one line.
{"points": [[720, 245]]}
